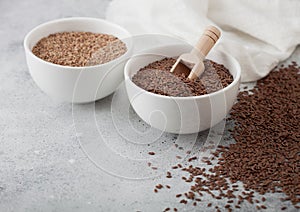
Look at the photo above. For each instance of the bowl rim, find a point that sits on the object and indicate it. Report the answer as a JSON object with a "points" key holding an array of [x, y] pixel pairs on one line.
{"points": [[129, 45], [233, 83]]}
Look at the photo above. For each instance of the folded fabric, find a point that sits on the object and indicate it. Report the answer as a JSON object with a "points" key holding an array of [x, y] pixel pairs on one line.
{"points": [[259, 34]]}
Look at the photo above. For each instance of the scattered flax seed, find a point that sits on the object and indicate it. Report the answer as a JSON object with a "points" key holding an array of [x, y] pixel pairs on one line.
{"points": [[227, 206], [272, 165], [209, 204], [168, 187], [169, 175], [178, 157], [192, 158], [178, 195], [183, 201], [159, 186], [207, 162], [263, 207], [265, 156], [155, 190], [167, 209], [79, 49], [151, 153]]}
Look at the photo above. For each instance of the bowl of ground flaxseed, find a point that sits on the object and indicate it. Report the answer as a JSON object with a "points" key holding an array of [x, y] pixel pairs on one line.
{"points": [[77, 59], [171, 102]]}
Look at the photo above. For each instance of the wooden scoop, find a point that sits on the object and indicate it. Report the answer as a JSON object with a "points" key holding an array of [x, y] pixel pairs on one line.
{"points": [[191, 64]]}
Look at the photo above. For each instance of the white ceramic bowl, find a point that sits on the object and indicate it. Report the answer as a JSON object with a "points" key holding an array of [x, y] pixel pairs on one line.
{"points": [[76, 84], [181, 114]]}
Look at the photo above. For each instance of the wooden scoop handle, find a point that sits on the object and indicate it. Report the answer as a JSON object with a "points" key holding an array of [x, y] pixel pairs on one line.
{"points": [[207, 40]]}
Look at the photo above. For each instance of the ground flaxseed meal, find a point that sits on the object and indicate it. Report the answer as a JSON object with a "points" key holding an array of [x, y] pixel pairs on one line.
{"points": [[79, 49], [157, 78], [266, 154]]}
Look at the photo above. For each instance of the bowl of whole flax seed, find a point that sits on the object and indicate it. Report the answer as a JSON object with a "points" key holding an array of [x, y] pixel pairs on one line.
{"points": [[77, 59], [173, 103]]}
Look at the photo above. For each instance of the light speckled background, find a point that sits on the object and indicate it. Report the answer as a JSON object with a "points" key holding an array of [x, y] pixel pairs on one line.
{"points": [[42, 165]]}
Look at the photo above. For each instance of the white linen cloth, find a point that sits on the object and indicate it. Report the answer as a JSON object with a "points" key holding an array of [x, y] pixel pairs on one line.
{"points": [[259, 34]]}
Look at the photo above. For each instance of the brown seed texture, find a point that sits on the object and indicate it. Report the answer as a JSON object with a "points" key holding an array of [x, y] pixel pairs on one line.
{"points": [[151, 153], [79, 49], [157, 78], [266, 154], [267, 135]]}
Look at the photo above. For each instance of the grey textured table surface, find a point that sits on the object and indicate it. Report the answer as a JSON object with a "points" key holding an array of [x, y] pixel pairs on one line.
{"points": [[42, 163]]}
